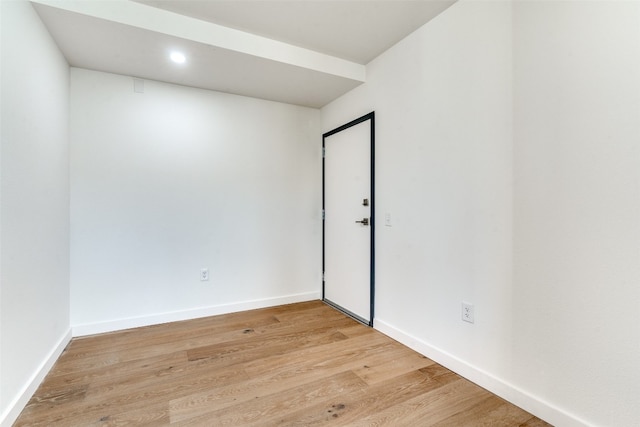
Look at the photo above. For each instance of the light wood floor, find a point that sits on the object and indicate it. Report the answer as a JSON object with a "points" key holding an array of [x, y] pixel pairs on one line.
{"points": [[301, 364]]}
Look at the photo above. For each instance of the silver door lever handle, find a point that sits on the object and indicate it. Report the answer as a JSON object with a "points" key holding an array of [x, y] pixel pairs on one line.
{"points": [[365, 221]]}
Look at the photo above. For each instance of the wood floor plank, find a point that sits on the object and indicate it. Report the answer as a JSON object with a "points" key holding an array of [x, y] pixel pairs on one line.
{"points": [[439, 373], [300, 364], [150, 415], [266, 410], [123, 351], [316, 334], [428, 408], [281, 373], [345, 354], [114, 373], [534, 422], [393, 367], [169, 332], [496, 413], [347, 410]]}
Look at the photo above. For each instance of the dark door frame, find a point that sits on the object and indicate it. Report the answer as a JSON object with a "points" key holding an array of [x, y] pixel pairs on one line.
{"points": [[372, 222]]}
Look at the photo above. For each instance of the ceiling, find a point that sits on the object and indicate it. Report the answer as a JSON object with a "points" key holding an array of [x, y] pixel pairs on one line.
{"points": [[302, 52]]}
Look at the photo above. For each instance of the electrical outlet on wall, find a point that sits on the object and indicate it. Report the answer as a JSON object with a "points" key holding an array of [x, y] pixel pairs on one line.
{"points": [[467, 312], [204, 274]]}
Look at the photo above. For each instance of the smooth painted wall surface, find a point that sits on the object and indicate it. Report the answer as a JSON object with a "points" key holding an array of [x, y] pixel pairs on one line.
{"points": [[443, 164], [175, 179], [443, 115], [34, 263], [507, 157], [576, 287]]}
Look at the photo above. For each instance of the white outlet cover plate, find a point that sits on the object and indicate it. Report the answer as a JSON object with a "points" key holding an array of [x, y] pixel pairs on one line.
{"points": [[467, 312]]}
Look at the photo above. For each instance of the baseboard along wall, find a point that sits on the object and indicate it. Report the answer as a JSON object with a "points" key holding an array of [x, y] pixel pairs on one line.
{"points": [[533, 404], [19, 403], [9, 416], [530, 403], [176, 316]]}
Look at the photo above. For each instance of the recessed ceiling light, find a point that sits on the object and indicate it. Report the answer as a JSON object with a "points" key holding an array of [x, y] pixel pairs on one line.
{"points": [[178, 57]]}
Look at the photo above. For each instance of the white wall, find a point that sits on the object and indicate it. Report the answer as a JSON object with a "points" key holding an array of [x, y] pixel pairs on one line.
{"points": [[34, 263], [442, 99], [174, 179], [508, 158], [576, 288]]}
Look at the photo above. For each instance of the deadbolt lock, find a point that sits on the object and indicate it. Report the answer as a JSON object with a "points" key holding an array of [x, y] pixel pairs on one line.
{"points": [[365, 202]]}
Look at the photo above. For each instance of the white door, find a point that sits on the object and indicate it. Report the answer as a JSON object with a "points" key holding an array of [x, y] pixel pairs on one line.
{"points": [[348, 218]]}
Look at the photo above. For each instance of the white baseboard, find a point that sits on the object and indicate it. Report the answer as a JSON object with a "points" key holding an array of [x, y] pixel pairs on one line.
{"points": [[175, 316], [533, 404], [10, 415], [530, 403]]}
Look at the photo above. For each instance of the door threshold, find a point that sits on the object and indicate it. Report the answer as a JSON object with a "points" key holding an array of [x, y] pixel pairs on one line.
{"points": [[348, 313]]}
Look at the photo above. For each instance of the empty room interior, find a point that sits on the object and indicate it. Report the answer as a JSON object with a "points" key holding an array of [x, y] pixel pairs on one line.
{"points": [[505, 165]]}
